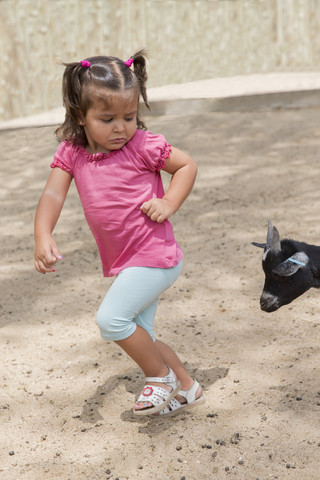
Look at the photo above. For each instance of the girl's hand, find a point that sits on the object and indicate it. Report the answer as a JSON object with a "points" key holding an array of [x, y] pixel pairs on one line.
{"points": [[157, 209], [46, 254], [48, 211], [183, 171]]}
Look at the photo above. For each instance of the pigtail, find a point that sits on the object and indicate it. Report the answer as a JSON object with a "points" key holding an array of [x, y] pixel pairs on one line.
{"points": [[140, 70], [71, 95]]}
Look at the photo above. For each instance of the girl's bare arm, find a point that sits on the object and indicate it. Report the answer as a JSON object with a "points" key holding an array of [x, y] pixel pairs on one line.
{"points": [[183, 170], [48, 211]]}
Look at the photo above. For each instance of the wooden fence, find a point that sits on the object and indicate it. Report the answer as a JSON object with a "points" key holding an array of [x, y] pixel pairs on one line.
{"points": [[186, 39]]}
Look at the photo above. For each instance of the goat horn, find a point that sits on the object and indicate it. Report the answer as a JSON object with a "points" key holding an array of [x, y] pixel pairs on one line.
{"points": [[275, 244], [269, 235], [273, 238]]}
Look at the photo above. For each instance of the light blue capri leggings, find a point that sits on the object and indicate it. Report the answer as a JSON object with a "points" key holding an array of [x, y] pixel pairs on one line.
{"points": [[132, 300]]}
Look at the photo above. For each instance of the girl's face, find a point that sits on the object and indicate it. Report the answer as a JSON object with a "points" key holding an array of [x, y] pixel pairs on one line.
{"points": [[109, 126]]}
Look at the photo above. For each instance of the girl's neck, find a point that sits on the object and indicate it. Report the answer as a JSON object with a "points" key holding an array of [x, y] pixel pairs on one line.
{"points": [[93, 148]]}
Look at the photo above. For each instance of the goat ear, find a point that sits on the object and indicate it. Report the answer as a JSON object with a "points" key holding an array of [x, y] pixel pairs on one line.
{"points": [[260, 245], [291, 265]]}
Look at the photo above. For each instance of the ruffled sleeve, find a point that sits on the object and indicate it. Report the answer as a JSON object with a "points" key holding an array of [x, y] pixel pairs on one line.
{"points": [[64, 157], [152, 149]]}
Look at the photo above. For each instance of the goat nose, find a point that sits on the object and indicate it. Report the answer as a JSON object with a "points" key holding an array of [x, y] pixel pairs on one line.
{"points": [[264, 300], [267, 307], [269, 302], [263, 303]]}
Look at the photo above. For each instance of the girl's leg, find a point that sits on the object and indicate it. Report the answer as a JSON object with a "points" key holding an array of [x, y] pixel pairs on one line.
{"points": [[132, 300], [143, 350], [127, 313], [170, 358]]}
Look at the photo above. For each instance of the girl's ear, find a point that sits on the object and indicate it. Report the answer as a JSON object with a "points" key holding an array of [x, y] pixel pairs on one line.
{"points": [[80, 120]]}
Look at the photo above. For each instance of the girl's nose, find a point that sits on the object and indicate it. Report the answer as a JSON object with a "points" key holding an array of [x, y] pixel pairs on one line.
{"points": [[119, 126]]}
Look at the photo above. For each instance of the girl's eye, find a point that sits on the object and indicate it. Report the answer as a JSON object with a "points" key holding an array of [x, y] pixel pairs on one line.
{"points": [[109, 120], [129, 119]]}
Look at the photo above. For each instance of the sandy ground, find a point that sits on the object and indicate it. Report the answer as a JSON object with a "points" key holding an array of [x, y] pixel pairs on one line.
{"points": [[67, 396]]}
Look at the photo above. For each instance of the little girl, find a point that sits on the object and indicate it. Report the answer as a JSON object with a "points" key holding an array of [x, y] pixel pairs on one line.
{"points": [[116, 166]]}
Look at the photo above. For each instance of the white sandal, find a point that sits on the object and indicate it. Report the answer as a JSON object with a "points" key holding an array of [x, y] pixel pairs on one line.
{"points": [[158, 396], [191, 401]]}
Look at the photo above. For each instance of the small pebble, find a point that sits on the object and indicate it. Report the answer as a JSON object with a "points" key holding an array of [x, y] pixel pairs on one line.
{"points": [[11, 453], [298, 399], [220, 442], [227, 469], [178, 447], [288, 465], [206, 445], [108, 471]]}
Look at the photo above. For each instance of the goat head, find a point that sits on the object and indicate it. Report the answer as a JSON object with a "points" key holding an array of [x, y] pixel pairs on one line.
{"points": [[290, 270]]}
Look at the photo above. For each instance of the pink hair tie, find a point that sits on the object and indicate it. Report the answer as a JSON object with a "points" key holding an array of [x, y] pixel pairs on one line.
{"points": [[85, 64], [129, 62]]}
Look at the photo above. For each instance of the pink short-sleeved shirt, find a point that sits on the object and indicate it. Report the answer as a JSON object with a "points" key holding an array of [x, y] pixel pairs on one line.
{"points": [[112, 187]]}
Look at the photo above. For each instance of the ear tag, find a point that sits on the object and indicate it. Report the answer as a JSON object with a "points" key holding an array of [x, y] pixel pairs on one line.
{"points": [[293, 260]]}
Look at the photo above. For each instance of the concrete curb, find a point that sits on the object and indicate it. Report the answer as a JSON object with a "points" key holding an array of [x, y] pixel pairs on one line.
{"points": [[256, 102], [240, 93]]}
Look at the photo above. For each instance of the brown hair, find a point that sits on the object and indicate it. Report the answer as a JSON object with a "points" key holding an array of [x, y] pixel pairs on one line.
{"points": [[82, 86]]}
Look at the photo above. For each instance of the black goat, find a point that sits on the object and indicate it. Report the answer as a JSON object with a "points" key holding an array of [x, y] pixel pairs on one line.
{"points": [[290, 268]]}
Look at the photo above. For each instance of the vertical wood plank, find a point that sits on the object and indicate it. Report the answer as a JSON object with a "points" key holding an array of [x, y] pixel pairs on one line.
{"points": [[186, 40]]}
